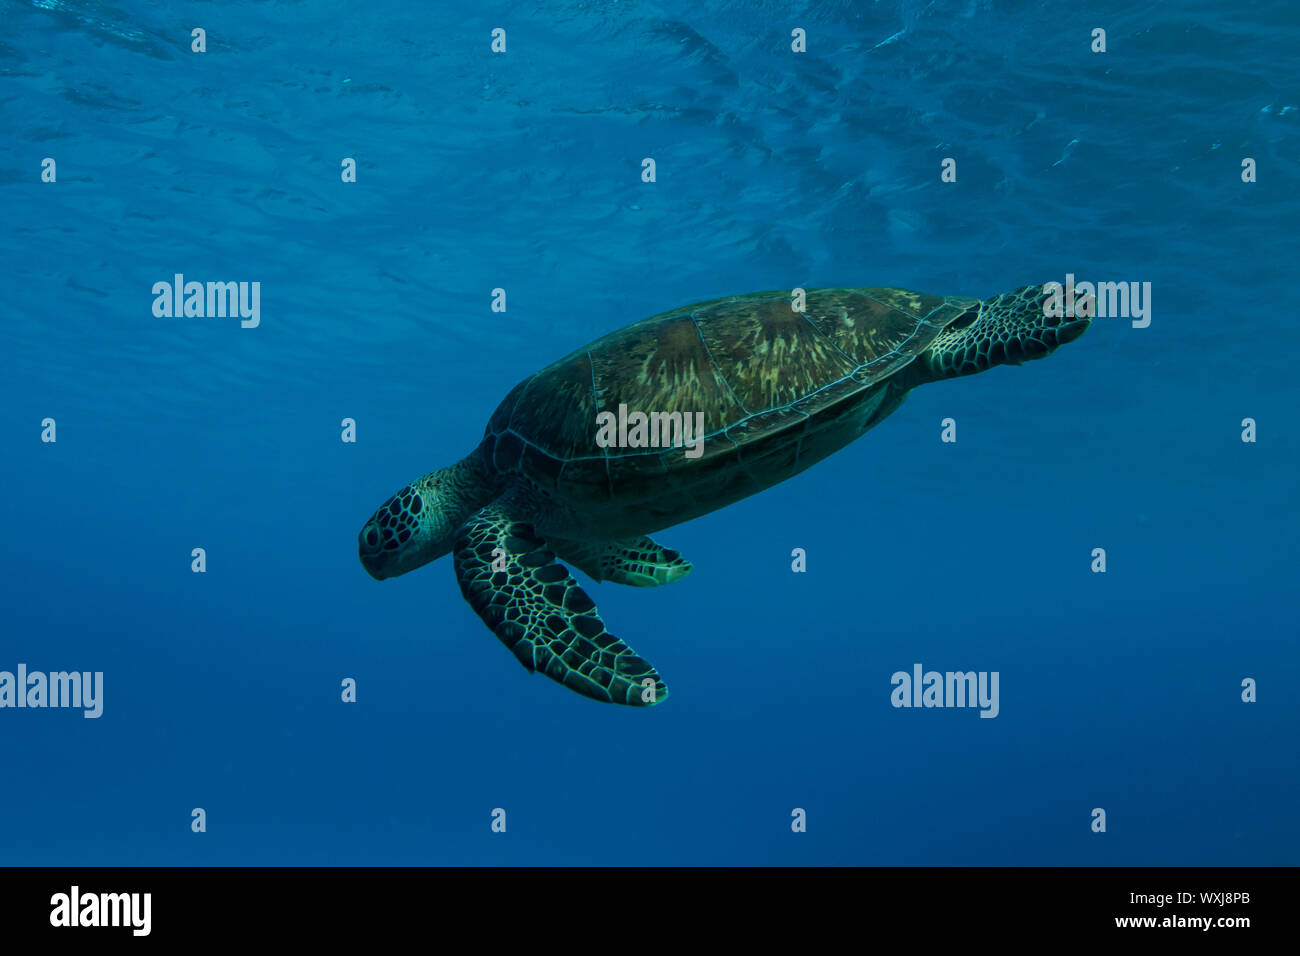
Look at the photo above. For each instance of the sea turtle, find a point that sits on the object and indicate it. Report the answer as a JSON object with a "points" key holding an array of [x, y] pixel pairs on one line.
{"points": [[586, 458]]}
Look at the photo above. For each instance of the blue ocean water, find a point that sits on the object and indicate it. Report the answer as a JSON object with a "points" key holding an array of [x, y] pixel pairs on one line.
{"points": [[522, 170]]}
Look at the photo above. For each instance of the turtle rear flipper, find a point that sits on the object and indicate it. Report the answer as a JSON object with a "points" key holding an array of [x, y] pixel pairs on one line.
{"points": [[639, 562], [535, 607]]}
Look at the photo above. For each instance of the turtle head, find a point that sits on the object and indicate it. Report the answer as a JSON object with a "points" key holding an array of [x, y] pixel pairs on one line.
{"points": [[419, 523], [1008, 329]]}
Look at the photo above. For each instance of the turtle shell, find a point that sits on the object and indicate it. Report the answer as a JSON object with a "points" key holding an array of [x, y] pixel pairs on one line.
{"points": [[762, 375]]}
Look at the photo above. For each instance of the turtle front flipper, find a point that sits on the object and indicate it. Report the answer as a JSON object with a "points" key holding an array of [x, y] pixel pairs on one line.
{"points": [[535, 607], [639, 562]]}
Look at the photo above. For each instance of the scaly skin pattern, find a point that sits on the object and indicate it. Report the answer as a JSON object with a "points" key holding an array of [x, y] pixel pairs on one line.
{"points": [[1010, 329], [536, 609], [637, 562], [778, 390], [414, 526]]}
